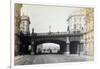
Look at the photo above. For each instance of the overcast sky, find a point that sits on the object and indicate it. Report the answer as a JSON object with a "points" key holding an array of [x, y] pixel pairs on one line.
{"points": [[42, 17]]}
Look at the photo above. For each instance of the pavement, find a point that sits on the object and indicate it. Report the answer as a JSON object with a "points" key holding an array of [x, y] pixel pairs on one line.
{"points": [[49, 58]]}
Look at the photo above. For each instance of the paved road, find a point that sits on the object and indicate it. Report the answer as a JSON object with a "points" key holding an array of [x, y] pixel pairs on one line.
{"points": [[47, 58]]}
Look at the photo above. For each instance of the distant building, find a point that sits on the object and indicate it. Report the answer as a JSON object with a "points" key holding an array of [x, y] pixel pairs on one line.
{"points": [[21, 23], [76, 25], [17, 20], [82, 21], [25, 24], [24, 35]]}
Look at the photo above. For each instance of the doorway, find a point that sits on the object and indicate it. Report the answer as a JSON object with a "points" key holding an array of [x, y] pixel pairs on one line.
{"points": [[74, 47]]}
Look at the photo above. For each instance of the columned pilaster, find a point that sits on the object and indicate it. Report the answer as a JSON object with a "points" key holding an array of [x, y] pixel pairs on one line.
{"points": [[68, 51], [32, 48], [78, 49], [67, 46]]}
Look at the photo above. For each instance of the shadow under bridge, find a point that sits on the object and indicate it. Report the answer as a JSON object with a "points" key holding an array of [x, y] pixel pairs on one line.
{"points": [[61, 43]]}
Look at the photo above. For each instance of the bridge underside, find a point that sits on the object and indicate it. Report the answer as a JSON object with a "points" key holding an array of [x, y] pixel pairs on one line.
{"points": [[61, 43], [67, 43]]}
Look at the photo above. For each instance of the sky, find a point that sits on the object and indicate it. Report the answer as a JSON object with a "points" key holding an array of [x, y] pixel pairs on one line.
{"points": [[42, 17]]}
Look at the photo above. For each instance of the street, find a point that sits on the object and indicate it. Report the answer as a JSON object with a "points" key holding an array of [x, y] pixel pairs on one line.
{"points": [[48, 58]]}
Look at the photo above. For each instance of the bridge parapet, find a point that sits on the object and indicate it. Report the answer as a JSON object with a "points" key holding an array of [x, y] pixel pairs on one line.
{"points": [[59, 34]]}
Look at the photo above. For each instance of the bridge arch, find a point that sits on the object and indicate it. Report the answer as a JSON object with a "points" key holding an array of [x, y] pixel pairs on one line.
{"points": [[46, 48], [61, 43]]}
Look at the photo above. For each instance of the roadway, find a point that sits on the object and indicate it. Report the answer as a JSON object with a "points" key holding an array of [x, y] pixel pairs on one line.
{"points": [[48, 58]]}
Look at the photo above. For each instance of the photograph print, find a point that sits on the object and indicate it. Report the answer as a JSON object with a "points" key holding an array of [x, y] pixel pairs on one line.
{"points": [[46, 34]]}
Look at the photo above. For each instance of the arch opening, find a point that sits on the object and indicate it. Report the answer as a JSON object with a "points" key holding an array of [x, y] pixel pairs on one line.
{"points": [[62, 45], [48, 48]]}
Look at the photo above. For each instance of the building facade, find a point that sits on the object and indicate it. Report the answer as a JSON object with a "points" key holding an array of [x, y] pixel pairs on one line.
{"points": [[76, 25], [82, 21], [17, 20], [21, 28], [25, 24], [24, 35], [89, 35]]}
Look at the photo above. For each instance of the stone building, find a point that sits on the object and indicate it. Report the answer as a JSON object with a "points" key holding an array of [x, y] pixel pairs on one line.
{"points": [[17, 20], [89, 35], [76, 25], [24, 35], [25, 24], [82, 21]]}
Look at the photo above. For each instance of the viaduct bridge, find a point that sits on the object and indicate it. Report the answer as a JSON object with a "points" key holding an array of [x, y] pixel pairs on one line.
{"points": [[69, 43]]}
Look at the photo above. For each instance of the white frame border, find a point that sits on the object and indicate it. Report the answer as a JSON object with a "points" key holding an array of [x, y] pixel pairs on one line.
{"points": [[12, 66]]}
